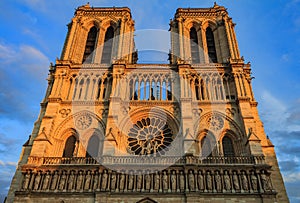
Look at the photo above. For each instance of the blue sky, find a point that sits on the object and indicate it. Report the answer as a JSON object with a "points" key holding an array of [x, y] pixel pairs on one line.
{"points": [[268, 32]]}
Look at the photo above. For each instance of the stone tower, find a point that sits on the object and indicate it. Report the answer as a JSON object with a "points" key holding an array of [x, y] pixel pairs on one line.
{"points": [[112, 130]]}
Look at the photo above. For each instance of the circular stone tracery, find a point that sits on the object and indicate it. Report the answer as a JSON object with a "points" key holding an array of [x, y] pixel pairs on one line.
{"points": [[150, 136], [215, 122], [83, 121]]}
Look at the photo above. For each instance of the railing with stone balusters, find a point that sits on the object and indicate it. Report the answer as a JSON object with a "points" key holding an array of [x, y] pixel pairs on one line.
{"points": [[135, 160]]}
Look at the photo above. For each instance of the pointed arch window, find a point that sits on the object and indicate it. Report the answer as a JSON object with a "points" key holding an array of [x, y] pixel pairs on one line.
{"points": [[211, 48], [107, 47], [194, 46], [93, 146], [208, 145], [90, 45], [227, 146], [70, 147]]}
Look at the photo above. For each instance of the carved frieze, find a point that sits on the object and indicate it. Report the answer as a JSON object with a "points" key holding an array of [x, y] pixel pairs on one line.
{"points": [[167, 181]]}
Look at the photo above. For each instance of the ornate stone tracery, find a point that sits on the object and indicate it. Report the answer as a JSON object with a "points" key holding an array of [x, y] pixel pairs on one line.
{"points": [[83, 122], [150, 136], [215, 122]]}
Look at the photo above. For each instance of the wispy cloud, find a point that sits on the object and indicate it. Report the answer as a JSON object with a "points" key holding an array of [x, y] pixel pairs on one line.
{"points": [[6, 52], [7, 170], [289, 165], [36, 4], [282, 123], [18, 66], [274, 111], [292, 177]]}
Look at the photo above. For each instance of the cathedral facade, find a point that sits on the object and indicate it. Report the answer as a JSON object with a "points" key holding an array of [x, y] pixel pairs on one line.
{"points": [[113, 130]]}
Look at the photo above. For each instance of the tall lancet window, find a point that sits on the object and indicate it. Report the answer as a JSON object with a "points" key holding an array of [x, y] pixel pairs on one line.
{"points": [[227, 146], [194, 46], [70, 147], [107, 47], [211, 48], [90, 45], [93, 146]]}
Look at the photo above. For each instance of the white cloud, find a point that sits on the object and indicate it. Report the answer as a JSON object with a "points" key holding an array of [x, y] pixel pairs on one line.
{"points": [[291, 177], [151, 39], [31, 52], [24, 58], [29, 32], [9, 54], [8, 163], [274, 111], [36, 4], [6, 52]]}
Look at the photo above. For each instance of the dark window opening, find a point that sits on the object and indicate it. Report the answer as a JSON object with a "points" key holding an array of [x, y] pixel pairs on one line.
{"points": [[211, 48], [227, 146], [93, 146], [107, 47], [206, 147], [194, 46], [70, 147], [90, 45]]}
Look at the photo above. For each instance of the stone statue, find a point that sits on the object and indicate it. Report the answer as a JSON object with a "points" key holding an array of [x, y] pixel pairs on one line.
{"points": [[37, 181], [62, 181], [156, 182], [235, 180], [88, 178], [264, 181], [96, 180], [208, 181], [79, 181], [130, 181], [253, 181], [113, 181], [141, 143], [173, 180], [227, 184], [46, 181], [165, 181], [139, 181], [75, 149], [244, 181], [200, 181], [147, 182], [155, 148], [26, 180], [54, 181], [181, 180], [104, 180], [71, 181], [149, 148], [218, 181], [122, 181], [191, 181]]}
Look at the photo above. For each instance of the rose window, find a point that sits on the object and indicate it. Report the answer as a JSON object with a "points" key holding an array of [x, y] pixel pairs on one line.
{"points": [[216, 122], [150, 136]]}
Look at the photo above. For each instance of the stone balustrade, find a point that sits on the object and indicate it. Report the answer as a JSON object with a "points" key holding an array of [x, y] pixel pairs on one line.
{"points": [[150, 160]]}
